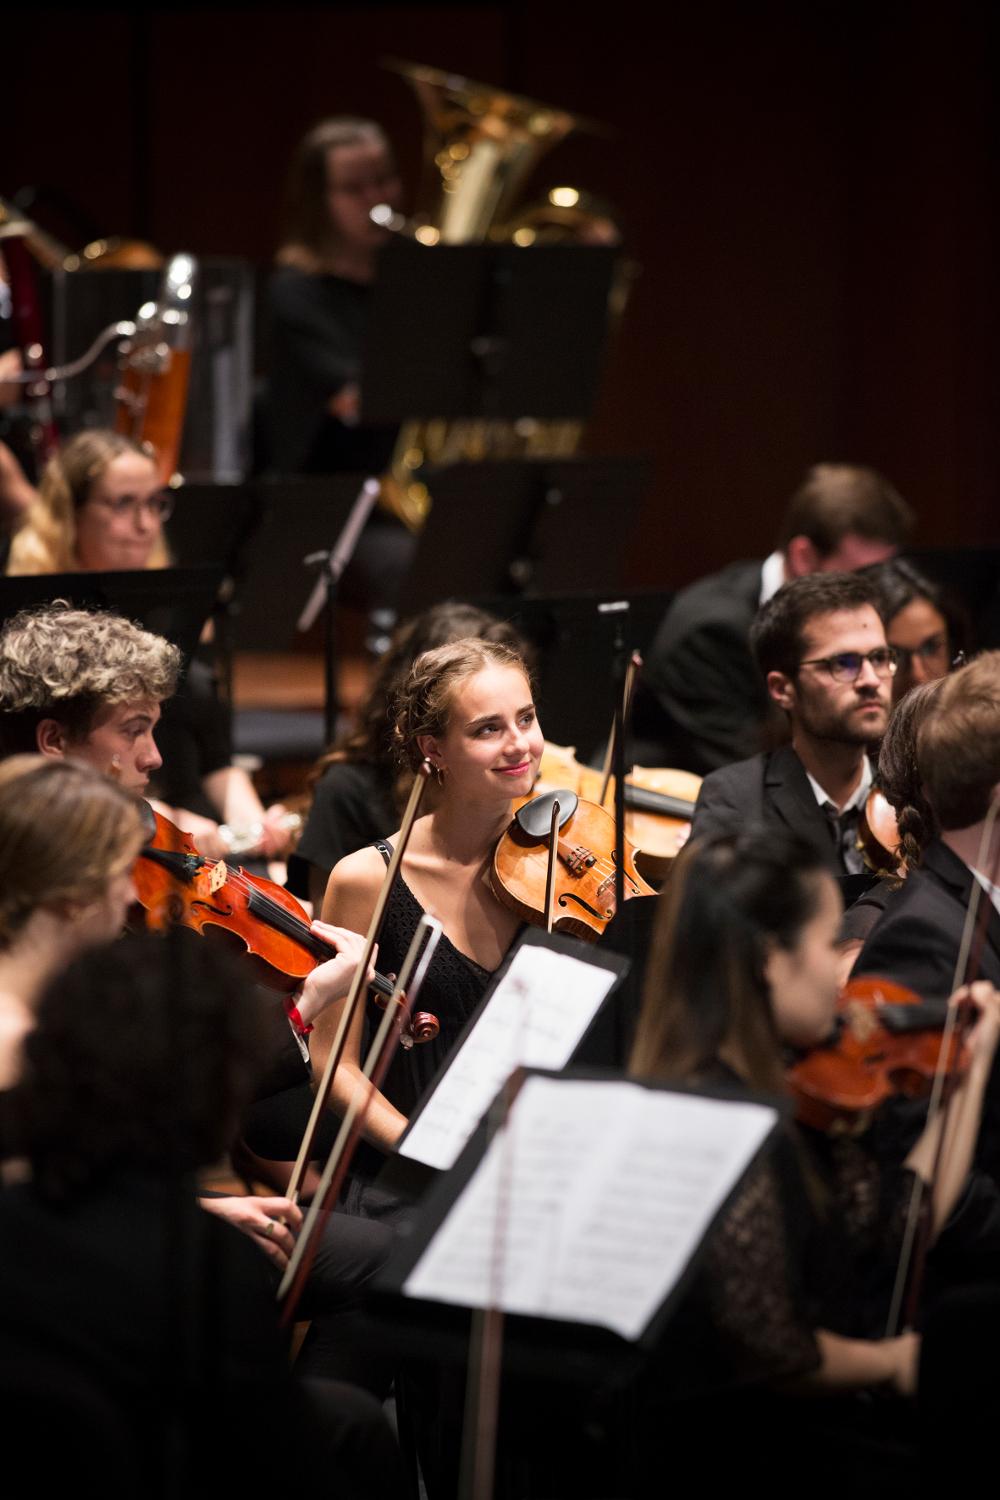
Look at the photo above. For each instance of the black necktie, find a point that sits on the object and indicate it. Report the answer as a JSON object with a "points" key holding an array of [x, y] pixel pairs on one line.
{"points": [[844, 829]]}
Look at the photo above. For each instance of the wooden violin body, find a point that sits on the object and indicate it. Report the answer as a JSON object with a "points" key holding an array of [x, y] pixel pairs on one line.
{"points": [[178, 886], [584, 898], [659, 804], [886, 1041]]}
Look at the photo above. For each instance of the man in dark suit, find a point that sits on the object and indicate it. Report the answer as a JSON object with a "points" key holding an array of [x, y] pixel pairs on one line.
{"points": [[820, 647], [701, 703], [918, 937]]}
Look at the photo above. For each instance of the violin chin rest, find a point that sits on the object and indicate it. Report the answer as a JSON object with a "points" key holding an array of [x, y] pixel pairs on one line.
{"points": [[535, 817]]}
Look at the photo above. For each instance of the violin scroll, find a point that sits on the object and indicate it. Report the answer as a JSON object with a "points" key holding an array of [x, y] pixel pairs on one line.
{"points": [[420, 1027]]}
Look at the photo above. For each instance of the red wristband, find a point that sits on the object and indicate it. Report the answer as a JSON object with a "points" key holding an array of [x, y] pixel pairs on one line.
{"points": [[292, 1012]]}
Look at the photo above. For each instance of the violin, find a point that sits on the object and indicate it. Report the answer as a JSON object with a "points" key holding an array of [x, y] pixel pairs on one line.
{"points": [[178, 886], [886, 1041], [659, 804], [878, 833], [584, 873]]}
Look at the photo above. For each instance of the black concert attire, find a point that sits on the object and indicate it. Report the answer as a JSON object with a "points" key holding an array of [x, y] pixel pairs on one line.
{"points": [[135, 1322], [916, 942], [808, 1241], [452, 990], [700, 702], [194, 738], [773, 789], [917, 939], [317, 325], [352, 804]]}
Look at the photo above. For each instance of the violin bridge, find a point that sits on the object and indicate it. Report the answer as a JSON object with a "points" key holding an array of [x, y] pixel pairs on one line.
{"points": [[218, 876]]}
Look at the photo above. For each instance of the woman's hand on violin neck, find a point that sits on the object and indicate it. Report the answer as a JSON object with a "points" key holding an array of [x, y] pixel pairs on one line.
{"points": [[331, 981], [272, 1223], [984, 1000]]}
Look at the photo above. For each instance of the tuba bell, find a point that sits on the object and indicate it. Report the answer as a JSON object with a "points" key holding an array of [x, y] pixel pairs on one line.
{"points": [[480, 147]]}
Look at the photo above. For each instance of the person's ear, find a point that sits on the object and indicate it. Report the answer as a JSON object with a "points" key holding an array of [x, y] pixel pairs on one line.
{"points": [[801, 557], [51, 738], [430, 748], [781, 689]]}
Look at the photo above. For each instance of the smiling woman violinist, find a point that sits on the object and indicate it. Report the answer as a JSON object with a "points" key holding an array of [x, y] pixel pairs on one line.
{"points": [[799, 1269], [467, 707]]}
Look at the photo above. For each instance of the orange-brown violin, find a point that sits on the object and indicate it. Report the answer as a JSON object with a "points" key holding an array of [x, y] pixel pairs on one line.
{"points": [[886, 1041], [177, 886], [584, 897], [659, 804]]}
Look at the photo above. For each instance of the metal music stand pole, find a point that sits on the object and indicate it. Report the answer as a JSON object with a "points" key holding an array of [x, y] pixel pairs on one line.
{"points": [[332, 565]]}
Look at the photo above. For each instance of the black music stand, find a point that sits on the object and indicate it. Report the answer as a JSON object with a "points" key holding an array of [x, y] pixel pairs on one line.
{"points": [[172, 602], [525, 526], [491, 331], [297, 518], [544, 1347], [213, 524], [574, 647]]}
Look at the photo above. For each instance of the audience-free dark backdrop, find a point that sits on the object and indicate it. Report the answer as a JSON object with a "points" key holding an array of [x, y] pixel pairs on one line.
{"points": [[808, 191]]}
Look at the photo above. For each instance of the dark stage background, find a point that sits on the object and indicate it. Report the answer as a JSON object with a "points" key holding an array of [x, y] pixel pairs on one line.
{"points": [[809, 193]]}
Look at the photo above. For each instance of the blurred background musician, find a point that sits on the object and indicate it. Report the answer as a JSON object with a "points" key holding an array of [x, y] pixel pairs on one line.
{"points": [[701, 703], [318, 297], [924, 625], [101, 507], [820, 647], [16, 498], [317, 303]]}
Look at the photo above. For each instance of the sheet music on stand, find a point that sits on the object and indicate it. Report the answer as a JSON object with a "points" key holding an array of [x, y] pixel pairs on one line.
{"points": [[536, 1013], [587, 1211]]}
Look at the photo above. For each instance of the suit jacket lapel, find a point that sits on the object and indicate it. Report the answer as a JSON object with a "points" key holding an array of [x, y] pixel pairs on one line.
{"points": [[955, 874], [787, 791]]}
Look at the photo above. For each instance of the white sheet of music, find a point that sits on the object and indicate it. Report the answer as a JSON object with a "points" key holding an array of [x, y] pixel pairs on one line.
{"points": [[590, 1204], [535, 1018]]}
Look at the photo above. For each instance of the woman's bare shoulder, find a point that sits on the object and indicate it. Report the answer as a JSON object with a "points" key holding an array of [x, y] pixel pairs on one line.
{"points": [[364, 868]]}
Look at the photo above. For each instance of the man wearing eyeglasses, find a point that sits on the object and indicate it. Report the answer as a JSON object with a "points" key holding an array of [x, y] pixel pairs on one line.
{"points": [[699, 704], [820, 646]]}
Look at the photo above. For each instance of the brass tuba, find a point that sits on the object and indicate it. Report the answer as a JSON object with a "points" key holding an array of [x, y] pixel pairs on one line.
{"points": [[480, 147]]}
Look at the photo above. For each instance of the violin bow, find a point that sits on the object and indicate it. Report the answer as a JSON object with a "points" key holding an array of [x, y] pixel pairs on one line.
{"points": [[359, 985], [550, 873], [919, 1225], [408, 985], [618, 723]]}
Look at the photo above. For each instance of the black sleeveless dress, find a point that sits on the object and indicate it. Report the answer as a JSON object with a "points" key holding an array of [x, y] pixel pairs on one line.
{"points": [[452, 989]]}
